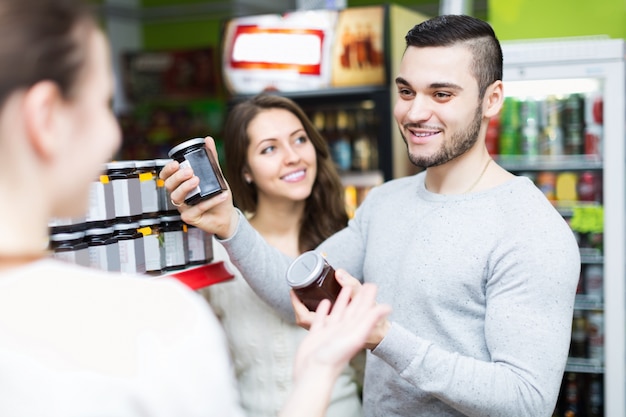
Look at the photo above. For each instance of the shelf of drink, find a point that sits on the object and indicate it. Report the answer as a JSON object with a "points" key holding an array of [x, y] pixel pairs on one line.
{"points": [[566, 208], [591, 256], [549, 162], [584, 302], [331, 92], [198, 277], [584, 365], [363, 179]]}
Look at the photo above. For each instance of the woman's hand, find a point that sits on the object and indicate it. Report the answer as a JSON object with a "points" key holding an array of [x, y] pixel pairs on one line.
{"points": [[216, 215], [305, 317], [333, 339]]}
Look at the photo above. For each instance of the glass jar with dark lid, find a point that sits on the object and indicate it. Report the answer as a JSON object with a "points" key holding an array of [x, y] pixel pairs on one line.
{"points": [[173, 230], [200, 245], [165, 203], [146, 170], [193, 154], [154, 251], [130, 245], [126, 190], [70, 247], [103, 249]]}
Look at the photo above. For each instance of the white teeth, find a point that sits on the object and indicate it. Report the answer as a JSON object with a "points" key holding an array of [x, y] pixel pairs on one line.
{"points": [[294, 175]]}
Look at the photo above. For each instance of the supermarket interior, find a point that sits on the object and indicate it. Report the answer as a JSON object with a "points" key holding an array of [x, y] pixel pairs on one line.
{"points": [[181, 65]]}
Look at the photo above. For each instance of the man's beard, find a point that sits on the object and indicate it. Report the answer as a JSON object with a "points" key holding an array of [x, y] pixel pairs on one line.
{"points": [[458, 144]]}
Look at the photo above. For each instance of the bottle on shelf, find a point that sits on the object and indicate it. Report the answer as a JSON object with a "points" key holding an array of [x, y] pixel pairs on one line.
{"points": [[595, 396], [572, 395], [341, 146], [362, 148], [578, 347]]}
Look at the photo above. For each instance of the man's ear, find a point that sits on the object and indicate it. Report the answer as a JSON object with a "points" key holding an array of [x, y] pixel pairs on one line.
{"points": [[40, 106], [494, 97]]}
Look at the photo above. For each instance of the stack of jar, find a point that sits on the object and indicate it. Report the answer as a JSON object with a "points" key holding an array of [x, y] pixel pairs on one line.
{"points": [[131, 225]]}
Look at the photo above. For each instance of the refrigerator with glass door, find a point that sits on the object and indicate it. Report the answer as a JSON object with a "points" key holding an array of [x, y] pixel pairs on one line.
{"points": [[563, 125]]}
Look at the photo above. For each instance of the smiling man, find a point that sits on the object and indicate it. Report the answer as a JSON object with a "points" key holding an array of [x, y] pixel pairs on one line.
{"points": [[480, 269]]}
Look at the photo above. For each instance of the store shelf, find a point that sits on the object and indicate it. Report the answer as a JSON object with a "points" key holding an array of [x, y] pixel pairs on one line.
{"points": [[362, 179], [591, 256], [566, 208], [203, 275], [584, 365], [549, 162], [358, 92], [584, 302]]}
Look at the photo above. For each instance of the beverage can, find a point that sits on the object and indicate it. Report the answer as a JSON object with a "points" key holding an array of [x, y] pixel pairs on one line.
{"points": [[573, 124], [529, 134], [510, 113], [551, 142], [509, 141]]}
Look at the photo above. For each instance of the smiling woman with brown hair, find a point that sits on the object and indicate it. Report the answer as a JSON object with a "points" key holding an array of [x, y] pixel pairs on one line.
{"points": [[281, 174]]}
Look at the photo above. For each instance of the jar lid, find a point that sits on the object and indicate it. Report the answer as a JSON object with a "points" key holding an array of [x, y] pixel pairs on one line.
{"points": [[173, 218], [59, 237], [148, 163], [184, 145], [65, 221], [97, 231], [126, 226], [305, 269], [161, 162], [120, 164], [149, 222]]}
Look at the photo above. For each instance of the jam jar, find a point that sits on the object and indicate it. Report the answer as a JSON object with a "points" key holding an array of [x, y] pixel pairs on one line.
{"points": [[313, 279], [192, 153]]}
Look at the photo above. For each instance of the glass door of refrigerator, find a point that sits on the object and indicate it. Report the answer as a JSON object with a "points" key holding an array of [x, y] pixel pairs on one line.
{"points": [[551, 130]]}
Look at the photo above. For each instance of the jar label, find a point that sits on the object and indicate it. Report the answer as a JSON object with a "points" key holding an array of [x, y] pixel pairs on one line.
{"points": [[186, 164]]}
